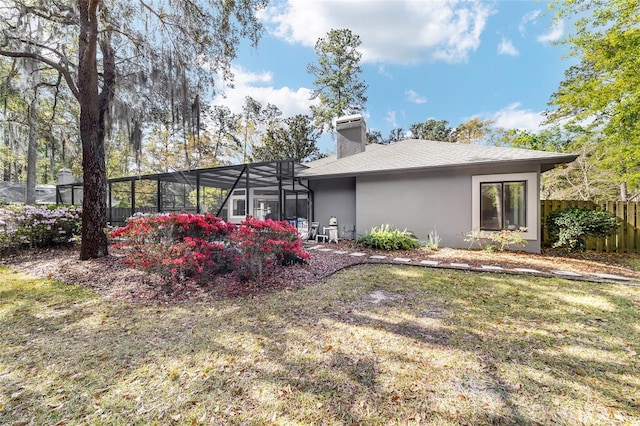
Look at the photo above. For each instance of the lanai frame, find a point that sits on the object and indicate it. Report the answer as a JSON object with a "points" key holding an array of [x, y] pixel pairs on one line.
{"points": [[281, 174]]}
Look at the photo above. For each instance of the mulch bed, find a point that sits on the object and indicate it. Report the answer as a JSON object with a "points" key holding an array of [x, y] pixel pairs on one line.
{"points": [[111, 278]]}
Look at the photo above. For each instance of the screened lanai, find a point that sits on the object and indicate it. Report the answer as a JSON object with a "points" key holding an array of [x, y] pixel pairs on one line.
{"points": [[262, 190]]}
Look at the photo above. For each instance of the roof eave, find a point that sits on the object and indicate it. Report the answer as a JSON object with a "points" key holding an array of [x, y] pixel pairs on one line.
{"points": [[546, 164]]}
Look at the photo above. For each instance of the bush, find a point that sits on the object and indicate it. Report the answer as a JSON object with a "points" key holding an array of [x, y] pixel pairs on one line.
{"points": [[571, 226], [265, 243], [433, 240], [387, 238], [145, 228], [181, 247], [27, 226], [177, 247], [496, 240]]}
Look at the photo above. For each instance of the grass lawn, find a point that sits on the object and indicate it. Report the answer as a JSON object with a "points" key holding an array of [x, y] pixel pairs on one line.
{"points": [[370, 345]]}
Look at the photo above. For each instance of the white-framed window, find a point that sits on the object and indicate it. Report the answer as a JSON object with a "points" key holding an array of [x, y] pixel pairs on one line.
{"points": [[238, 205], [505, 201]]}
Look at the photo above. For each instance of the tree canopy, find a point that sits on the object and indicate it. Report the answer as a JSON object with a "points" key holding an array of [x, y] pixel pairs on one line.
{"points": [[295, 139], [432, 130], [338, 84], [601, 92]]}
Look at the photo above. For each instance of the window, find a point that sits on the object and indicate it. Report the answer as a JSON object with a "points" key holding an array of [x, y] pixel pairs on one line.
{"points": [[264, 208], [506, 201], [502, 205], [239, 208]]}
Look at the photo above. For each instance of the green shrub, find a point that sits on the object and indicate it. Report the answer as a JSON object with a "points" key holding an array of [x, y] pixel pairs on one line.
{"points": [[387, 238], [571, 226]]}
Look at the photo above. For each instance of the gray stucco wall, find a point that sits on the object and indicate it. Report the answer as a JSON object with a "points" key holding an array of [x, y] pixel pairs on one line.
{"points": [[335, 197], [422, 202]]}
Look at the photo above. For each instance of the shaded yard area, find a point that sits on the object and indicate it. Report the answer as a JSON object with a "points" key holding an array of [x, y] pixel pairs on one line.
{"points": [[373, 344]]}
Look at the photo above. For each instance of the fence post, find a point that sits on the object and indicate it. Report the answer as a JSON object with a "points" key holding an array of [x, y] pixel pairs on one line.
{"points": [[633, 214]]}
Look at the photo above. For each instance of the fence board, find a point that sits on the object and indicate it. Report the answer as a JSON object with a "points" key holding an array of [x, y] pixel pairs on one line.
{"points": [[625, 240], [632, 219]]}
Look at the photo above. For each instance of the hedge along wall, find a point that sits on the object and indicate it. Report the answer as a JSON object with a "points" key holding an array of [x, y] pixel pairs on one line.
{"points": [[625, 240]]}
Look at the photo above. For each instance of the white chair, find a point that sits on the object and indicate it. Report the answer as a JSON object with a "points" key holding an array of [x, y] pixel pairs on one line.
{"points": [[315, 227]]}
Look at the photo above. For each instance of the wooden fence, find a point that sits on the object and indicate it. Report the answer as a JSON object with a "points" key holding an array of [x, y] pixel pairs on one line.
{"points": [[625, 240]]}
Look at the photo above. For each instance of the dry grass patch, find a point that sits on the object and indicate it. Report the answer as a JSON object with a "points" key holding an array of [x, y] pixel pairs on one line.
{"points": [[371, 345]]}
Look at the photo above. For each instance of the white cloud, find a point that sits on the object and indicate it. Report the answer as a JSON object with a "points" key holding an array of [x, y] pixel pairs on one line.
{"points": [[391, 119], [401, 31], [506, 47], [415, 97], [513, 117], [260, 87], [555, 32], [382, 70], [529, 17]]}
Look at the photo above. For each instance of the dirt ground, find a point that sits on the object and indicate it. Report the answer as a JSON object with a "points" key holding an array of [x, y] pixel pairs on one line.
{"points": [[112, 278]]}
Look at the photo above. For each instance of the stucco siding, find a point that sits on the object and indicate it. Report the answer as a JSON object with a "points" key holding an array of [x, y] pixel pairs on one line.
{"points": [[335, 197], [427, 201]]}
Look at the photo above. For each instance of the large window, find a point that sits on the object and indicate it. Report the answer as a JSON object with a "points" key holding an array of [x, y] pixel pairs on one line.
{"points": [[506, 201], [502, 205]]}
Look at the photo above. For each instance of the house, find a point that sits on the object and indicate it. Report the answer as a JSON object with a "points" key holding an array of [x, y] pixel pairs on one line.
{"points": [[424, 186], [13, 192], [419, 185]]}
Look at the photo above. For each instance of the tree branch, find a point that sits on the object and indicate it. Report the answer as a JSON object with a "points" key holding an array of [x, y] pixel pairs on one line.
{"points": [[40, 46], [56, 66]]}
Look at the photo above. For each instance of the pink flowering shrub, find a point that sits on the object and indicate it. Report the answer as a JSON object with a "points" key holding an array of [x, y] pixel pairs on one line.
{"points": [[266, 243], [173, 227], [27, 226], [182, 247], [177, 247]]}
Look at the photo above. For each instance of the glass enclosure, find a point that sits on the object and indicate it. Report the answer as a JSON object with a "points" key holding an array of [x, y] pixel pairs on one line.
{"points": [[267, 190]]}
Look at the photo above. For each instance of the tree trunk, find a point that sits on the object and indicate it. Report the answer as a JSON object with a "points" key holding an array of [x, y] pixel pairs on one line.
{"points": [[52, 159], [623, 191], [94, 202], [6, 169], [32, 150], [33, 68]]}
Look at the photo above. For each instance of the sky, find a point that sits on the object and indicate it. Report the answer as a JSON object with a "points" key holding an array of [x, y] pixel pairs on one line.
{"points": [[447, 60]]}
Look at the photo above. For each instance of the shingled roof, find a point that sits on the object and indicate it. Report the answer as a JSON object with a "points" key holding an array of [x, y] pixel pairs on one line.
{"points": [[11, 192], [418, 154]]}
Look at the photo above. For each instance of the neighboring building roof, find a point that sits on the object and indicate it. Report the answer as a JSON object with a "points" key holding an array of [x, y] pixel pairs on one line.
{"points": [[417, 154], [11, 192]]}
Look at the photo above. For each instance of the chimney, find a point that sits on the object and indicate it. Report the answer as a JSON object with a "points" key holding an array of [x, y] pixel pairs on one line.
{"points": [[65, 177], [352, 135]]}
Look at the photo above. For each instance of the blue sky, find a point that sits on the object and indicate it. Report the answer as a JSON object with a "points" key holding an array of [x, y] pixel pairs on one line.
{"points": [[448, 60]]}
